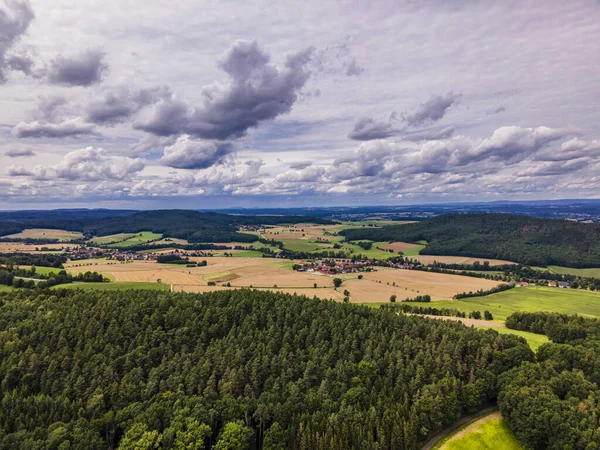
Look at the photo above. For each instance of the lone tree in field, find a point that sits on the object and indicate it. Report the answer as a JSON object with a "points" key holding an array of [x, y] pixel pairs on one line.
{"points": [[488, 315], [337, 282], [393, 299]]}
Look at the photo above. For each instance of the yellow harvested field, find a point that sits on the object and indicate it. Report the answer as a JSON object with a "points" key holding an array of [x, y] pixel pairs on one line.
{"points": [[428, 259], [276, 275], [379, 286], [9, 247], [399, 246], [44, 233]]}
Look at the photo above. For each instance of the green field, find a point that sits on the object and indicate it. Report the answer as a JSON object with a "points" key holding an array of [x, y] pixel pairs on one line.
{"points": [[102, 240], [137, 239], [589, 273], [487, 433], [4, 288], [304, 245], [115, 286], [535, 341], [528, 299]]}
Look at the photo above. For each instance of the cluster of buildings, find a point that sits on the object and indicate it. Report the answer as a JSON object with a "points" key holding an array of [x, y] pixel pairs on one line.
{"points": [[340, 266]]}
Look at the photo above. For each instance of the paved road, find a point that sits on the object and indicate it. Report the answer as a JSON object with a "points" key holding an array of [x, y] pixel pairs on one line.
{"points": [[451, 429]]}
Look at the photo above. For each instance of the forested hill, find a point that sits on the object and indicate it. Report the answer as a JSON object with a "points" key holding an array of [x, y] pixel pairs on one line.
{"points": [[242, 369], [526, 240], [186, 224], [191, 225]]}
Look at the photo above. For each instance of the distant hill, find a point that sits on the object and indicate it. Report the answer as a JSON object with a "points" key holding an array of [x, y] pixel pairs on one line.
{"points": [[184, 224], [526, 240]]}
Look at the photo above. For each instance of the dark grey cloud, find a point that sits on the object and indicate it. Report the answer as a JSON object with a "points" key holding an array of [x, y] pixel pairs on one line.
{"points": [[367, 129], [43, 129], [21, 63], [14, 21], [84, 69], [300, 165], [353, 68], [188, 153], [19, 153], [432, 110], [258, 91], [497, 110], [119, 105]]}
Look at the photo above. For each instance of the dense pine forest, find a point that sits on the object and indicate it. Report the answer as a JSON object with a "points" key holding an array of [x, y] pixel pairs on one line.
{"points": [[522, 239], [234, 370]]}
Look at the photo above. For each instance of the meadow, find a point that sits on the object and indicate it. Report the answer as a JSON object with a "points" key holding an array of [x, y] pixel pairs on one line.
{"points": [[487, 433], [45, 233], [529, 299], [590, 273]]}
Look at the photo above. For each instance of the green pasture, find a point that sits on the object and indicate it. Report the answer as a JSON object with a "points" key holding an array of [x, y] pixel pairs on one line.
{"points": [[487, 433], [137, 239]]}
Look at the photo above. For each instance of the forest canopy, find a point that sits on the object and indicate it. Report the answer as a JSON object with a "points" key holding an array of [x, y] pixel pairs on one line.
{"points": [[522, 239], [148, 369]]}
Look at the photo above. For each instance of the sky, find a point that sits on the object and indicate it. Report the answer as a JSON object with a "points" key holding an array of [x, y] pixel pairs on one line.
{"points": [[148, 104]]}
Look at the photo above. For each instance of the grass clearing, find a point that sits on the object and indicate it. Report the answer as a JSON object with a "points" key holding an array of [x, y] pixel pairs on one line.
{"points": [[487, 433], [430, 259]]}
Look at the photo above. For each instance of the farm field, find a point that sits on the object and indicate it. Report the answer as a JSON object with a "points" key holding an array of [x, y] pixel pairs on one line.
{"points": [[10, 247], [102, 240], [529, 299], [592, 273], [44, 233], [429, 259], [404, 247], [378, 286], [272, 274], [488, 433], [137, 239]]}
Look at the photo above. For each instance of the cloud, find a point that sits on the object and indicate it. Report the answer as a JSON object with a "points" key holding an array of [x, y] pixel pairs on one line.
{"points": [[19, 153], [496, 110], [188, 153], [120, 104], [43, 129], [429, 135], [512, 143], [353, 69], [432, 110], [14, 22], [258, 91], [48, 107], [85, 69], [368, 128], [88, 164], [300, 165]]}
